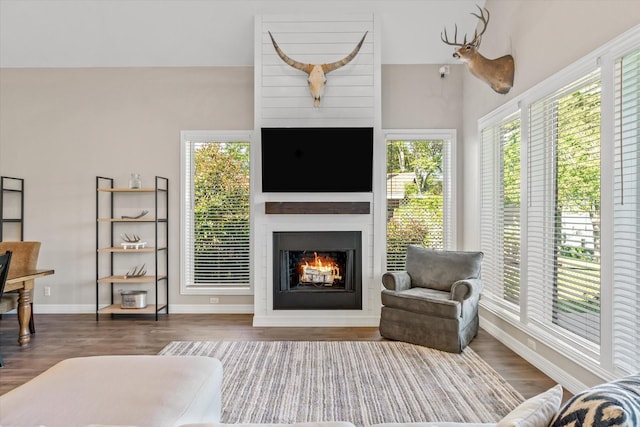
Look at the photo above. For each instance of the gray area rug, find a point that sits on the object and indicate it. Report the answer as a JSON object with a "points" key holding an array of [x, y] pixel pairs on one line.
{"points": [[365, 382]]}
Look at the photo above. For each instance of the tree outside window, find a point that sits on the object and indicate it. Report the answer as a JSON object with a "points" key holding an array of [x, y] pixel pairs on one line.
{"points": [[415, 199]]}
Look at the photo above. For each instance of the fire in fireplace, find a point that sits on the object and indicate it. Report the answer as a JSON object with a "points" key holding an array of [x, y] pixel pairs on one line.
{"points": [[317, 270], [311, 271], [322, 271]]}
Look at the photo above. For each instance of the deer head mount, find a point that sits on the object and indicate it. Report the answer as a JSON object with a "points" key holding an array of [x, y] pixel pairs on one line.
{"points": [[317, 72], [498, 73]]}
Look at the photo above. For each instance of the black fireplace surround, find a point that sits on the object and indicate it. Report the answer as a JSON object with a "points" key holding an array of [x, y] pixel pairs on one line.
{"points": [[340, 289]]}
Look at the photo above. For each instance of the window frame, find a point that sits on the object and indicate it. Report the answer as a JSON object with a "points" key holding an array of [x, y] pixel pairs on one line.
{"points": [[187, 137], [449, 136], [495, 123]]}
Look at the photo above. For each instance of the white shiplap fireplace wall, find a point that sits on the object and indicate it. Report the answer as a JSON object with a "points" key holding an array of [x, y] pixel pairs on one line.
{"points": [[351, 98]]}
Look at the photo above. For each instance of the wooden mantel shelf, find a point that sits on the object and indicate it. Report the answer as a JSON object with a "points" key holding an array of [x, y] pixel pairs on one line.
{"points": [[310, 208]]}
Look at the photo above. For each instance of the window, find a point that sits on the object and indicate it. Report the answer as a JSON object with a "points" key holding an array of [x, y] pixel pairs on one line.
{"points": [[500, 211], [579, 228], [564, 209], [216, 213], [419, 193]]}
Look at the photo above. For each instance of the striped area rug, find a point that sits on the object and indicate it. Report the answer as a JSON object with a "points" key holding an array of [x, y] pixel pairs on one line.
{"points": [[364, 382]]}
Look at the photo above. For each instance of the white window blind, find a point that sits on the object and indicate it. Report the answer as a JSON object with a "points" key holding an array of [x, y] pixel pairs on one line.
{"points": [[626, 283], [564, 211], [420, 201], [216, 214], [500, 211]]}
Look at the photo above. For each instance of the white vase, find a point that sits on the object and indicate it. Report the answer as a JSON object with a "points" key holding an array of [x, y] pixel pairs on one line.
{"points": [[134, 181]]}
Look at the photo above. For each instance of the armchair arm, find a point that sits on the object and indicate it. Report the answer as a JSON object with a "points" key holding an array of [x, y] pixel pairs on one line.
{"points": [[396, 280], [466, 289]]}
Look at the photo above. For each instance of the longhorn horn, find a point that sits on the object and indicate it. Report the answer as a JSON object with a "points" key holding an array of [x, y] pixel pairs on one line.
{"points": [[295, 64], [344, 61]]}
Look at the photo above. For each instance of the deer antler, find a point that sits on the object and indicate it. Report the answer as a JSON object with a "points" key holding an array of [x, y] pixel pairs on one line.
{"points": [[445, 38], [477, 37], [137, 271], [134, 238]]}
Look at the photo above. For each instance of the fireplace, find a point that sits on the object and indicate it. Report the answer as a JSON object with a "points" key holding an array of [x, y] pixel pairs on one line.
{"points": [[317, 270]]}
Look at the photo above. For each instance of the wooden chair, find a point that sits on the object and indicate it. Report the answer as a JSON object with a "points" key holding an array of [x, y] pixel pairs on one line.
{"points": [[25, 257], [5, 262]]}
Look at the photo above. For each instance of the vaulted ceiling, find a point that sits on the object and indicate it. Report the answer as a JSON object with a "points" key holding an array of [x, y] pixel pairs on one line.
{"points": [[119, 33]]}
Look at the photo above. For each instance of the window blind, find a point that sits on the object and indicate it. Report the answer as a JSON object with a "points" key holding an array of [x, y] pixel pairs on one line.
{"points": [[564, 211], [500, 211], [217, 215], [626, 216]]}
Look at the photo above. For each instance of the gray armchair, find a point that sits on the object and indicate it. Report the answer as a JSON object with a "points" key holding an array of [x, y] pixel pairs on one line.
{"points": [[434, 302]]}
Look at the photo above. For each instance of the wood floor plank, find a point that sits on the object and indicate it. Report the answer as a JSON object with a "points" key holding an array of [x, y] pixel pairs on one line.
{"points": [[61, 336]]}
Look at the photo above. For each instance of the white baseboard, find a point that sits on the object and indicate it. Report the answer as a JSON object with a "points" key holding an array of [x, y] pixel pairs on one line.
{"points": [[545, 365], [173, 308], [64, 308], [296, 319], [211, 308]]}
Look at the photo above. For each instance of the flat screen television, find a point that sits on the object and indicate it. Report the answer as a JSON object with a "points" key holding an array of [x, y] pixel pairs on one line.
{"points": [[317, 159]]}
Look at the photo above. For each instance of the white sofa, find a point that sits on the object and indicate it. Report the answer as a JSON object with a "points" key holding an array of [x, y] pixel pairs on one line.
{"points": [[118, 390]]}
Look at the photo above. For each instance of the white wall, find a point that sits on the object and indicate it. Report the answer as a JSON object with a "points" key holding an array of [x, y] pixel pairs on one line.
{"points": [[129, 76], [59, 128], [207, 33]]}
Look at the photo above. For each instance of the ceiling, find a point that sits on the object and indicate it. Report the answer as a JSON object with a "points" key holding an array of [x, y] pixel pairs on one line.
{"points": [[148, 33]]}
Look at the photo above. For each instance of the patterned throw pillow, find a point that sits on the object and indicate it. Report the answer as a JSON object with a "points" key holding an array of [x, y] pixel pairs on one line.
{"points": [[614, 404]]}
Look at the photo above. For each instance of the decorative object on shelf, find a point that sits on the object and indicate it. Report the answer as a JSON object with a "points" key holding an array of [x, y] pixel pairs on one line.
{"points": [[140, 215], [132, 242], [133, 299], [135, 245], [134, 238], [137, 271], [135, 181], [317, 72], [498, 73]]}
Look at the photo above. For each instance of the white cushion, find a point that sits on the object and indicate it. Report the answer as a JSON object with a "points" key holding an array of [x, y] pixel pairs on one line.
{"points": [[118, 390], [537, 411]]}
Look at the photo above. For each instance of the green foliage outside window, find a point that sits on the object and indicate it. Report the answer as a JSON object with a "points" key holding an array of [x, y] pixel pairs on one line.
{"points": [[414, 213], [221, 212]]}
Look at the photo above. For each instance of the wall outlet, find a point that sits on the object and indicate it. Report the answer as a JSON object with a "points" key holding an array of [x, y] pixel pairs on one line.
{"points": [[47, 291], [214, 300], [531, 343]]}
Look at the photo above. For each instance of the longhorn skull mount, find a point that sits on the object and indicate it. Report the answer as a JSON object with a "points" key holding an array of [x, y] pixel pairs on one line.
{"points": [[498, 73], [317, 72]]}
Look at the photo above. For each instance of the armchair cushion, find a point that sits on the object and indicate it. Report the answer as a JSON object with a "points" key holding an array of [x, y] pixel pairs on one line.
{"points": [[423, 300], [435, 269]]}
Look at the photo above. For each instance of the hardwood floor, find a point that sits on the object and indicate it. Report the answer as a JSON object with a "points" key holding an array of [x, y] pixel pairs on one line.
{"points": [[60, 336]]}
